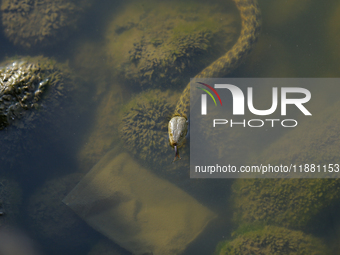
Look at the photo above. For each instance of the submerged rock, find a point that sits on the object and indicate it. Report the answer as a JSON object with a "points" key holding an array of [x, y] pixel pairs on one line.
{"points": [[287, 202], [39, 22], [22, 88], [162, 44], [270, 240], [35, 96], [144, 129], [30, 87]]}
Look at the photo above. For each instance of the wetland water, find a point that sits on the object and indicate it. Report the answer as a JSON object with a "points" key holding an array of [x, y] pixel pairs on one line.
{"points": [[131, 60]]}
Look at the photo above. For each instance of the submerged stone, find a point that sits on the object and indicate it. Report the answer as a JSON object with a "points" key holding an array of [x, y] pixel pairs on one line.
{"points": [[163, 44], [270, 240], [144, 129], [292, 203], [39, 22], [35, 96]]}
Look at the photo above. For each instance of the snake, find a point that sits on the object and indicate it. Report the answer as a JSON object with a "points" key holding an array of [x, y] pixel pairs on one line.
{"points": [[250, 30]]}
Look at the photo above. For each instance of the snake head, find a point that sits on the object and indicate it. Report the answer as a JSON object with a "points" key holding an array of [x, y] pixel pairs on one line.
{"points": [[177, 129]]}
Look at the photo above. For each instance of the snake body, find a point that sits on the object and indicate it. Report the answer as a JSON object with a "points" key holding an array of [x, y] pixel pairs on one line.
{"points": [[251, 24]]}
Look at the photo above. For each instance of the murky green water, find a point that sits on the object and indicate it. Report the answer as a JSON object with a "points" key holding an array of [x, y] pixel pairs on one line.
{"points": [[105, 51]]}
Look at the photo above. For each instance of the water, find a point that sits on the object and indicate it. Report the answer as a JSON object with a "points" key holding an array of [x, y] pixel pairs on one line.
{"points": [[298, 39]]}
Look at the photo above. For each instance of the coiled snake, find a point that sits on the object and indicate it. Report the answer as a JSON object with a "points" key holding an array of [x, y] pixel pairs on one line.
{"points": [[251, 23]]}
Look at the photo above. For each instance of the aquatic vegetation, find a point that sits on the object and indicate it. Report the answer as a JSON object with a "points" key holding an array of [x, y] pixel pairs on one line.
{"points": [[270, 240], [39, 22], [51, 219], [285, 202], [10, 201], [144, 128], [162, 44]]}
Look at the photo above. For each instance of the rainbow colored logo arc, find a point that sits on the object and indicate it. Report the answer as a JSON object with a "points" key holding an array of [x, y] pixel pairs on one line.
{"points": [[208, 92]]}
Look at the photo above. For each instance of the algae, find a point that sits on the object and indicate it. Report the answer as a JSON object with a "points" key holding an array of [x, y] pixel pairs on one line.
{"points": [[144, 129], [270, 240], [36, 93], [40, 22], [163, 44], [285, 202]]}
